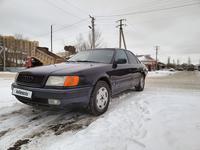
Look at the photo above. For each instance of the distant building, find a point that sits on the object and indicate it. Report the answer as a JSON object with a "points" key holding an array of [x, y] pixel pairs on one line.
{"points": [[45, 56], [17, 50], [149, 62], [63, 54]]}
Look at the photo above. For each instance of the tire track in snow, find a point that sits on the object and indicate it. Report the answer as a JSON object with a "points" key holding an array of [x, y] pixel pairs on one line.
{"points": [[74, 123], [24, 121], [27, 123]]}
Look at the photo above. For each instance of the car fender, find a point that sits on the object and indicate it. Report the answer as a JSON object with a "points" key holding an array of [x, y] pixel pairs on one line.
{"points": [[104, 77]]}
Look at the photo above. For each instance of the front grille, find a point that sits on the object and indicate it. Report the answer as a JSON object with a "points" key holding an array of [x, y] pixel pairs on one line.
{"points": [[30, 80]]}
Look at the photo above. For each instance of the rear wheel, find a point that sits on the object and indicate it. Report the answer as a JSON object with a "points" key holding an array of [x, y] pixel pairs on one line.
{"points": [[100, 98], [141, 84]]}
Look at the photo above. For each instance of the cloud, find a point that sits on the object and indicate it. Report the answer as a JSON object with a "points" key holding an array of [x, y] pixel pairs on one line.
{"points": [[176, 31], [2, 1]]}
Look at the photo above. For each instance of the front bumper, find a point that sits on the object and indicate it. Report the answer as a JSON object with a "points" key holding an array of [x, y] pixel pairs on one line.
{"points": [[67, 97]]}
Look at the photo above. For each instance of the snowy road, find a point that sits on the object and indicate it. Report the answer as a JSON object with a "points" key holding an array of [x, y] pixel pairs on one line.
{"points": [[163, 117]]}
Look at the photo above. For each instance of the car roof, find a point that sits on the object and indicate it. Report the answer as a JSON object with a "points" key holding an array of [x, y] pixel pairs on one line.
{"points": [[109, 49]]}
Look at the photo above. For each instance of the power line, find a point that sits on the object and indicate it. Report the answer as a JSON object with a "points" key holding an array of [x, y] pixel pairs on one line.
{"points": [[63, 28], [149, 11], [75, 6], [58, 39], [61, 9], [101, 17], [68, 38], [68, 26], [156, 3]]}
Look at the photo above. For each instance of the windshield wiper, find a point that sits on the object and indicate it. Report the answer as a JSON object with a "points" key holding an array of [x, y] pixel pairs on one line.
{"points": [[87, 61]]}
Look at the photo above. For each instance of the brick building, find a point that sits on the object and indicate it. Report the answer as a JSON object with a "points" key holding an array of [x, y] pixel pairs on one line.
{"points": [[17, 50]]}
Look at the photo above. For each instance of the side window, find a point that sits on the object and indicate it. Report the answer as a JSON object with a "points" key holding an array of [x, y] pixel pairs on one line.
{"points": [[132, 58], [121, 57]]}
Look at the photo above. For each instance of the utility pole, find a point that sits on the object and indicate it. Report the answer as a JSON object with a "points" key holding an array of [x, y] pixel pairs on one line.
{"points": [[4, 59], [121, 33], [51, 38], [189, 61], [178, 62], [92, 27], [157, 47]]}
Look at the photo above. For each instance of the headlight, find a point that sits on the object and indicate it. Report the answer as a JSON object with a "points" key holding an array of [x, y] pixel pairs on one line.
{"points": [[62, 81], [56, 81]]}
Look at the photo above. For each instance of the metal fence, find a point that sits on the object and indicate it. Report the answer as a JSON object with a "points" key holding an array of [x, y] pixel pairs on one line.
{"points": [[12, 69]]}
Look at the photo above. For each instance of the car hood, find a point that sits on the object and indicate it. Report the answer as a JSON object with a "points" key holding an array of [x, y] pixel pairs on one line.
{"points": [[63, 68]]}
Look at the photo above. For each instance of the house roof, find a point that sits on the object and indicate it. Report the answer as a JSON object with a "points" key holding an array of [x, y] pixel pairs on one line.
{"points": [[145, 58], [46, 50]]}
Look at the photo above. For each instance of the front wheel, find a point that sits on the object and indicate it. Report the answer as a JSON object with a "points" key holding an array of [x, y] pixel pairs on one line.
{"points": [[140, 86], [100, 98]]}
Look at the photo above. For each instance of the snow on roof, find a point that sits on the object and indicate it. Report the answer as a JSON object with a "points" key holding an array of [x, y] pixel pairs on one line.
{"points": [[143, 58]]}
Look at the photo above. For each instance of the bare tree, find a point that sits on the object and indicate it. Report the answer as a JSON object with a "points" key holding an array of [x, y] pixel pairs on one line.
{"points": [[83, 44], [98, 39]]}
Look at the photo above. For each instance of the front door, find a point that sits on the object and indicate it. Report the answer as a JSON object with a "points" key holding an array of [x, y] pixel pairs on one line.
{"points": [[121, 75]]}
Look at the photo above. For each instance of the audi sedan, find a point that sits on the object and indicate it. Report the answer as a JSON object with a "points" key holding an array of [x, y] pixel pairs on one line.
{"points": [[88, 79]]}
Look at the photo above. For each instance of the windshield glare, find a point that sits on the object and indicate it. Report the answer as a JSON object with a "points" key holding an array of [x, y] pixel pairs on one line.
{"points": [[101, 56]]}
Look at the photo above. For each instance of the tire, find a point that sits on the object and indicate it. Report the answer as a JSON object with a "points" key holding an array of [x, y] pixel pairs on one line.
{"points": [[141, 84], [100, 98]]}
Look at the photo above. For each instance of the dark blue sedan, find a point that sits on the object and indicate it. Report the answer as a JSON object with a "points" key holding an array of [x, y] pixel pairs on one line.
{"points": [[88, 79]]}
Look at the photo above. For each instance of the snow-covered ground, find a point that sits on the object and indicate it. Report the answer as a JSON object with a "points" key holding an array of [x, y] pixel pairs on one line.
{"points": [[6, 99], [160, 73], [163, 117]]}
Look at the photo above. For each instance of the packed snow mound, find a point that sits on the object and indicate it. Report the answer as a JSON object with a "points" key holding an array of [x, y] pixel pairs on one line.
{"points": [[6, 72], [160, 73], [7, 75]]}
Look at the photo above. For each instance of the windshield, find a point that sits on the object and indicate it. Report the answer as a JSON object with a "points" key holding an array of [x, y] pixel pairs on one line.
{"points": [[99, 56]]}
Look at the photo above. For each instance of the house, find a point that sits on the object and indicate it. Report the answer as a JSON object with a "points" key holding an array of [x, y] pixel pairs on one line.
{"points": [[148, 61], [45, 56]]}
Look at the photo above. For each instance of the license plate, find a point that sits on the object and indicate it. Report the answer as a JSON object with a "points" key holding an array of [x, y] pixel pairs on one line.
{"points": [[23, 93]]}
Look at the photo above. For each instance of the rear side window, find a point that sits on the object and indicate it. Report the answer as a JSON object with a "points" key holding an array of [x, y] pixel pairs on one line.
{"points": [[132, 58], [120, 54]]}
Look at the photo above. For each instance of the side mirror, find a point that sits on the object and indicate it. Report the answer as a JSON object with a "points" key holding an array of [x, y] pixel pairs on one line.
{"points": [[119, 61], [114, 64]]}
